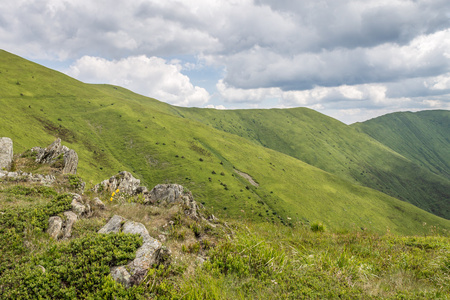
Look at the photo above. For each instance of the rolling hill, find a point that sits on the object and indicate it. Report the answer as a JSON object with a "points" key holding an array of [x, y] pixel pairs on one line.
{"points": [[113, 129], [340, 149], [423, 137]]}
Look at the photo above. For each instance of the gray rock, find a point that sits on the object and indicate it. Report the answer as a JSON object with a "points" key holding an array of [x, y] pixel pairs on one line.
{"points": [[164, 194], [82, 210], [71, 218], [121, 275], [55, 227], [147, 255], [6, 153], [58, 155], [123, 181], [114, 225], [98, 203]]}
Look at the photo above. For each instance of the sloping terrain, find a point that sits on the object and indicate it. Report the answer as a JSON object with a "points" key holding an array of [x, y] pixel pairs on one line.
{"points": [[423, 137], [113, 129], [340, 149]]}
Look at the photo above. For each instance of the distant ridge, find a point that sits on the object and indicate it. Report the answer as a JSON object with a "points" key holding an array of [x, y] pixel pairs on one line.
{"points": [[423, 137]]}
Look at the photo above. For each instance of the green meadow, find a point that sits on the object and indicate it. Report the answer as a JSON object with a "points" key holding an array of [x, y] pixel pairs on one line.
{"points": [[308, 207]]}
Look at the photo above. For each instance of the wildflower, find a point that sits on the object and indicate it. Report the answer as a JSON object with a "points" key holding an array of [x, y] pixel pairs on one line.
{"points": [[113, 194], [117, 190], [111, 199]]}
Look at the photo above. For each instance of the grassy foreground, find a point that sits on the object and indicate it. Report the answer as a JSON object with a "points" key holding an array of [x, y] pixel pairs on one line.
{"points": [[243, 260]]}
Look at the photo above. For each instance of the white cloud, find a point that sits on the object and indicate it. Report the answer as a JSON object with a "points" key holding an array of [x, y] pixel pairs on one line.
{"points": [[150, 76]]}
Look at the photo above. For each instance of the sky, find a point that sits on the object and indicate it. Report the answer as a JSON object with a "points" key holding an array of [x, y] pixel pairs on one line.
{"points": [[351, 60]]}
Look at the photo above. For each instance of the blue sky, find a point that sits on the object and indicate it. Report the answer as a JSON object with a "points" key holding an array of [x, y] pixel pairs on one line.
{"points": [[352, 60]]}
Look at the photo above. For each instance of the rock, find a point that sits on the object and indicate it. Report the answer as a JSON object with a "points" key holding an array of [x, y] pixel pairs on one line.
{"points": [[147, 255], [28, 177], [55, 227], [98, 203], [123, 181], [114, 225], [121, 275], [164, 194], [78, 207], [6, 153], [71, 218], [59, 156]]}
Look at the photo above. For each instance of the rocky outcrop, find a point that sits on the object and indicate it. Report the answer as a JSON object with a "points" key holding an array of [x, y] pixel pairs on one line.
{"points": [[59, 228], [165, 194], [28, 177], [149, 253], [58, 156], [6, 153], [123, 181], [162, 194], [80, 208]]}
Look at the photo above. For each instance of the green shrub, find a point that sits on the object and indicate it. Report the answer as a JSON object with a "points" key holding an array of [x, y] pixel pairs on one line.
{"points": [[317, 227]]}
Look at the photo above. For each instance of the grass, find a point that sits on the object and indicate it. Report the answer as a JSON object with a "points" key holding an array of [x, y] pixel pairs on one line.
{"points": [[349, 153], [240, 260], [422, 137], [100, 122]]}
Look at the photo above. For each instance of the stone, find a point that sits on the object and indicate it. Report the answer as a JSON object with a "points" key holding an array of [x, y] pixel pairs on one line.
{"points": [[121, 275], [98, 203], [6, 153], [71, 218], [164, 194], [55, 227], [148, 254], [82, 210], [114, 225], [59, 156], [124, 181]]}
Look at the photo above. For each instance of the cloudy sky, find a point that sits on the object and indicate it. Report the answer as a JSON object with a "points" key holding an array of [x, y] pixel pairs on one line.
{"points": [[352, 60]]}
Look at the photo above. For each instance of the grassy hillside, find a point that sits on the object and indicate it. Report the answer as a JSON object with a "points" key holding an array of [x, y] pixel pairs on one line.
{"points": [[423, 137], [113, 129], [337, 148], [243, 260]]}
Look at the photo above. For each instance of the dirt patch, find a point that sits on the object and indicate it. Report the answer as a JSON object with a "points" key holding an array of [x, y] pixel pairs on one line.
{"points": [[248, 177]]}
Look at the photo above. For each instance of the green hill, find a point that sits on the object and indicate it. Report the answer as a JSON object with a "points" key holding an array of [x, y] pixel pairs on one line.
{"points": [[114, 129], [337, 148], [423, 137]]}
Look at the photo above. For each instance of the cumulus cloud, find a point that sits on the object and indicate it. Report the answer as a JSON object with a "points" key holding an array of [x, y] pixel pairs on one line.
{"points": [[150, 76], [332, 54]]}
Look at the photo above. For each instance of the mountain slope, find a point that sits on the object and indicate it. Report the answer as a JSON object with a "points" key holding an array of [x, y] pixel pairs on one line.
{"points": [[423, 137], [114, 129], [334, 147]]}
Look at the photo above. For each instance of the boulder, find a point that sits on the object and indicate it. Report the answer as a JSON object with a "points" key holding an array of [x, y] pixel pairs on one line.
{"points": [[58, 156], [71, 218], [114, 225], [147, 255], [59, 228], [164, 194], [123, 181], [78, 207], [55, 225], [6, 153], [98, 203]]}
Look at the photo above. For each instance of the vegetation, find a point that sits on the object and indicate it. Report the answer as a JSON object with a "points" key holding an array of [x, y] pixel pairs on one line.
{"points": [[422, 137], [246, 261], [347, 152], [287, 229], [108, 138]]}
